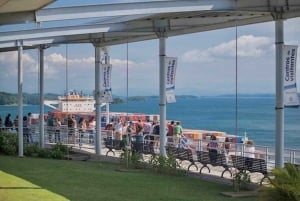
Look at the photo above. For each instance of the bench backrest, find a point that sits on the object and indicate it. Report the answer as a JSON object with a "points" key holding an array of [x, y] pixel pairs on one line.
{"points": [[250, 164], [184, 154], [203, 157], [238, 162], [172, 151], [259, 165], [113, 144], [220, 160]]}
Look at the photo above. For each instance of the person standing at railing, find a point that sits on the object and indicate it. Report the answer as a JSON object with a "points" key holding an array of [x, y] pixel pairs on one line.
{"points": [[124, 129], [177, 133], [213, 149], [72, 125], [26, 131], [156, 134], [29, 124], [82, 128], [249, 152], [139, 127], [147, 127], [50, 127], [91, 128], [147, 130], [8, 123], [16, 123], [170, 134], [130, 131], [118, 127], [227, 145], [57, 125]]}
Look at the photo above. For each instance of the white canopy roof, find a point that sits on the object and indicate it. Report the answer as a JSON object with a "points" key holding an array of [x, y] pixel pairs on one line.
{"points": [[111, 24]]}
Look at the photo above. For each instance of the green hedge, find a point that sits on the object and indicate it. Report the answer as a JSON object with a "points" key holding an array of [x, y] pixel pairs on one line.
{"points": [[9, 146], [8, 143]]}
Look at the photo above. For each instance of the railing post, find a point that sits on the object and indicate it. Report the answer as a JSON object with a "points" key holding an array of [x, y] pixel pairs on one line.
{"points": [[267, 155]]}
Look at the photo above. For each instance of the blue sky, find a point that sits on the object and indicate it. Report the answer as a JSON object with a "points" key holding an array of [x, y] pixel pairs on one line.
{"points": [[206, 63]]}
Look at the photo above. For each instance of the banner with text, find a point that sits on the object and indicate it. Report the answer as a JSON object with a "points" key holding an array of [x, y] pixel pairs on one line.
{"points": [[171, 65], [290, 86], [105, 93]]}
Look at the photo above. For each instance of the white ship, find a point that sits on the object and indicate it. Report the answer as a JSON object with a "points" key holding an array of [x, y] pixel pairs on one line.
{"points": [[72, 102]]}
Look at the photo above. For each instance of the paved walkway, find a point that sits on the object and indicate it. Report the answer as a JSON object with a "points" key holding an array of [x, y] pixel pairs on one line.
{"points": [[214, 175]]}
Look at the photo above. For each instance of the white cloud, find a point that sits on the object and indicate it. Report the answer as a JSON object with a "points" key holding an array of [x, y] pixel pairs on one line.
{"points": [[55, 59], [247, 46], [251, 46], [85, 61], [9, 61], [9, 58]]}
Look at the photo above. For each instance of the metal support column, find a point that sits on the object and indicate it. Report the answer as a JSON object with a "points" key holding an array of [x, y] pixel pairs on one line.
{"points": [[162, 93], [41, 117], [97, 97], [20, 99], [107, 61], [279, 108]]}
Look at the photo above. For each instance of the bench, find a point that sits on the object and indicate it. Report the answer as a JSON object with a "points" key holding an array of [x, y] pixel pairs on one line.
{"points": [[250, 164], [182, 155], [142, 145], [148, 148], [112, 144], [218, 159]]}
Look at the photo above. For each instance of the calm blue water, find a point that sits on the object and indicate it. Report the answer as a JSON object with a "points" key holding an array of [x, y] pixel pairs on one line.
{"points": [[256, 116]]}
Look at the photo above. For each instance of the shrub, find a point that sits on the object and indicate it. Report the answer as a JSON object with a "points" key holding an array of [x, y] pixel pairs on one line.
{"points": [[8, 143], [241, 181], [31, 149], [44, 153], [58, 151], [166, 165], [132, 159], [284, 186]]}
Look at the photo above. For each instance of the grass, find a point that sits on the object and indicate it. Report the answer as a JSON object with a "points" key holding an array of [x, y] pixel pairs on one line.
{"points": [[43, 179]]}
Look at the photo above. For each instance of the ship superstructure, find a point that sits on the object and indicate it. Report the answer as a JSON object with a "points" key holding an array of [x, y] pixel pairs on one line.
{"points": [[73, 102]]}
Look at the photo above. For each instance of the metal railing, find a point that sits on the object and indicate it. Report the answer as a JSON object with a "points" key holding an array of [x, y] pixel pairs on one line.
{"points": [[86, 139]]}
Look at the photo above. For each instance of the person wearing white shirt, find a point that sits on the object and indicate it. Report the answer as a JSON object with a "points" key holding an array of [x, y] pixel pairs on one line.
{"points": [[118, 129], [249, 152]]}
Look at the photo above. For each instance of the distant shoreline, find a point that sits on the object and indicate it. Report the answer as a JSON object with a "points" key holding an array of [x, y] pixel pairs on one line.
{"points": [[33, 100]]}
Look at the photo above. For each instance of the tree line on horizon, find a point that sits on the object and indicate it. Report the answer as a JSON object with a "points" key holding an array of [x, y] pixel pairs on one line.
{"points": [[30, 99], [33, 99]]}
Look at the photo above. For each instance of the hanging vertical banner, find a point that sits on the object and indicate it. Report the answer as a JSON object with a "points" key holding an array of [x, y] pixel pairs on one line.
{"points": [[105, 92], [290, 86], [171, 65]]}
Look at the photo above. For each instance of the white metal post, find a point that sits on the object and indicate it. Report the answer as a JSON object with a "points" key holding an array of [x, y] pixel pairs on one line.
{"points": [[42, 124], [97, 98], [279, 108], [20, 99], [162, 93], [107, 61]]}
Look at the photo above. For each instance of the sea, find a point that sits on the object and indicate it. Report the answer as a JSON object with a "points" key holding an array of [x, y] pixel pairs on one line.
{"points": [[254, 115]]}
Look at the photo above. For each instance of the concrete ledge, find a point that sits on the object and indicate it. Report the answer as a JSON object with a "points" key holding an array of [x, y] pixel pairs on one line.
{"points": [[240, 194], [211, 178]]}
